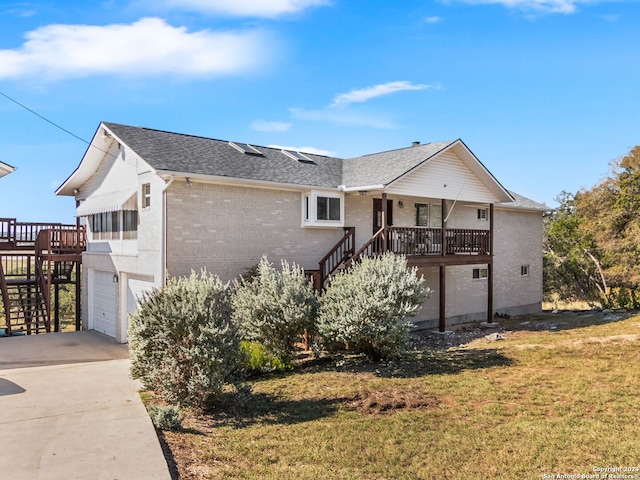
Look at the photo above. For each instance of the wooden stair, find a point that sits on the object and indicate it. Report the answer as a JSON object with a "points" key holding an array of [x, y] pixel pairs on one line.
{"points": [[26, 288], [27, 310]]}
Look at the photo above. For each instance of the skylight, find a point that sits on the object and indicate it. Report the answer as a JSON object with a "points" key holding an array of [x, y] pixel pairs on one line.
{"points": [[301, 157], [246, 148]]}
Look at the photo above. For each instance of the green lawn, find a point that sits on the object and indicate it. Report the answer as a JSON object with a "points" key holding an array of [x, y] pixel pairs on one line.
{"points": [[538, 402]]}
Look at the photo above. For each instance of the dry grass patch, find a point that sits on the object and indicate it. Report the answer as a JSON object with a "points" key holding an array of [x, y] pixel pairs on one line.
{"points": [[478, 410]]}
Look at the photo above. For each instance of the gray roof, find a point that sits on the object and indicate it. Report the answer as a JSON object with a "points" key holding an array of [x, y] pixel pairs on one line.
{"points": [[175, 152], [385, 167], [189, 154], [523, 203]]}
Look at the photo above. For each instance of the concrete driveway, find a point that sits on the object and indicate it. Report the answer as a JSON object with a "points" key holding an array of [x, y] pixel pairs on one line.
{"points": [[69, 410]]}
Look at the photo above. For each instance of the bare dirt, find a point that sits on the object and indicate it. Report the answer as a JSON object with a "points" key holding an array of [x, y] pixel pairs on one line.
{"points": [[394, 399]]}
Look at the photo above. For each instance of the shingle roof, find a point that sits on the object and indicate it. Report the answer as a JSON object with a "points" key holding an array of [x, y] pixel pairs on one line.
{"points": [[383, 168], [523, 203], [190, 154]]}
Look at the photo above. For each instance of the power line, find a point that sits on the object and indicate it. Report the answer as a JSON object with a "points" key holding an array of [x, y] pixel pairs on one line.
{"points": [[45, 119]]}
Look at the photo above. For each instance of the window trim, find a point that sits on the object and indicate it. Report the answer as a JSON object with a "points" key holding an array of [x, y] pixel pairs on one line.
{"points": [[310, 209], [146, 196], [524, 270], [483, 214]]}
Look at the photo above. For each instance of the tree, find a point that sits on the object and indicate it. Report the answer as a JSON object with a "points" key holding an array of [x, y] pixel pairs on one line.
{"points": [[592, 241]]}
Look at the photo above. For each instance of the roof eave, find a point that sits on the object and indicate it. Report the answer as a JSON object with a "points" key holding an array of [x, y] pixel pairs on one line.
{"points": [[220, 179]]}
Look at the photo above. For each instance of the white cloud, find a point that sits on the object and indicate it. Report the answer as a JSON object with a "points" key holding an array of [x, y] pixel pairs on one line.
{"points": [[246, 8], [264, 126], [365, 94], [148, 47], [314, 150], [540, 6], [342, 117], [434, 19]]}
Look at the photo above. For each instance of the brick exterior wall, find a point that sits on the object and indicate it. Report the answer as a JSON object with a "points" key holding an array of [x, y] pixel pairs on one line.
{"points": [[227, 229]]}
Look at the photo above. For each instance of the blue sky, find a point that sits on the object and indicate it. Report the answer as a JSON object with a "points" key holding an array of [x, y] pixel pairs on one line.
{"points": [[544, 92]]}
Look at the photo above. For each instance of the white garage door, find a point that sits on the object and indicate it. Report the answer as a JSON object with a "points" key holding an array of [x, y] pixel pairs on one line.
{"points": [[105, 304], [135, 288]]}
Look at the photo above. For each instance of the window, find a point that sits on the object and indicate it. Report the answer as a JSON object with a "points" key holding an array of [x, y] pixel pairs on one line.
{"points": [[482, 214], [422, 215], [146, 195], [524, 270], [436, 215], [108, 225], [246, 148], [479, 273], [328, 208], [322, 209], [300, 157]]}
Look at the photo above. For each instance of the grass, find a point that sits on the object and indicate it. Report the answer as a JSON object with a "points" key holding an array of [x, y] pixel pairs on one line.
{"points": [[538, 402]]}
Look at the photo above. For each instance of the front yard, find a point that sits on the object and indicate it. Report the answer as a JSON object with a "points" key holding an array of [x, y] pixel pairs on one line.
{"points": [[549, 395]]}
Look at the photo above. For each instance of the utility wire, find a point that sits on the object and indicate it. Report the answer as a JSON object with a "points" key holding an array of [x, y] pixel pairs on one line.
{"points": [[56, 125], [44, 118]]}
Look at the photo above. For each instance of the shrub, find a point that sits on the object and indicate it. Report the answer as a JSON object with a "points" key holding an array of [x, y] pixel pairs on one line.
{"points": [[275, 308], [258, 360], [165, 417], [183, 342], [364, 306]]}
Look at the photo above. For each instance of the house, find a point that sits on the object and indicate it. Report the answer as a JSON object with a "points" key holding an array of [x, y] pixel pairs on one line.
{"points": [[159, 203], [5, 169]]}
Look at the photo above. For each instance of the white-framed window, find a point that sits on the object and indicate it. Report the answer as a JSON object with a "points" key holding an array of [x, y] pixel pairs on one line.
{"points": [[122, 224], [146, 195], [524, 270], [322, 209], [483, 214], [480, 273]]}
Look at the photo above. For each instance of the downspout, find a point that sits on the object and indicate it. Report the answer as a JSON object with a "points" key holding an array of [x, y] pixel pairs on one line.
{"points": [[163, 246]]}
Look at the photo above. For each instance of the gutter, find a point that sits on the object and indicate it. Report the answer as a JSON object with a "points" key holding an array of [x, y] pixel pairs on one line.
{"points": [[163, 246]]}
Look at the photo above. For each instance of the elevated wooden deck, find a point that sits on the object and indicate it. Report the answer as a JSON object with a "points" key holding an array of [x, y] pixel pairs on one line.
{"points": [[36, 260]]}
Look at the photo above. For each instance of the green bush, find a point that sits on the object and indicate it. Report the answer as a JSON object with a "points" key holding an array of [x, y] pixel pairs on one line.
{"points": [[275, 308], [258, 360], [183, 342], [363, 308], [165, 417]]}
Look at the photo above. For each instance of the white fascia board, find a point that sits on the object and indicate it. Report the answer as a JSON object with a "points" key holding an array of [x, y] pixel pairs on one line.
{"points": [[6, 169], [91, 159], [221, 180]]}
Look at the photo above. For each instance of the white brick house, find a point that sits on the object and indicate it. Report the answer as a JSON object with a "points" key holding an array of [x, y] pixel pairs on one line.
{"points": [[157, 202]]}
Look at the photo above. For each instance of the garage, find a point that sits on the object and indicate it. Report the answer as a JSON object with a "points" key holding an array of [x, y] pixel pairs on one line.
{"points": [[104, 304], [136, 287]]}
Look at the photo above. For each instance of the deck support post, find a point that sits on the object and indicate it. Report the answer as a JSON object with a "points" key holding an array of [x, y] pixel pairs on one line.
{"points": [[384, 221], [443, 246], [56, 308], [443, 300]]}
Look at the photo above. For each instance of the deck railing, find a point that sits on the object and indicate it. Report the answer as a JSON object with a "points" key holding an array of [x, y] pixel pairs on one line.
{"points": [[409, 241], [422, 241], [16, 235]]}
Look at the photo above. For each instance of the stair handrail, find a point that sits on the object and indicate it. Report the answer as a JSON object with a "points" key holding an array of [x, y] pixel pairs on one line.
{"points": [[380, 236], [331, 262]]}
